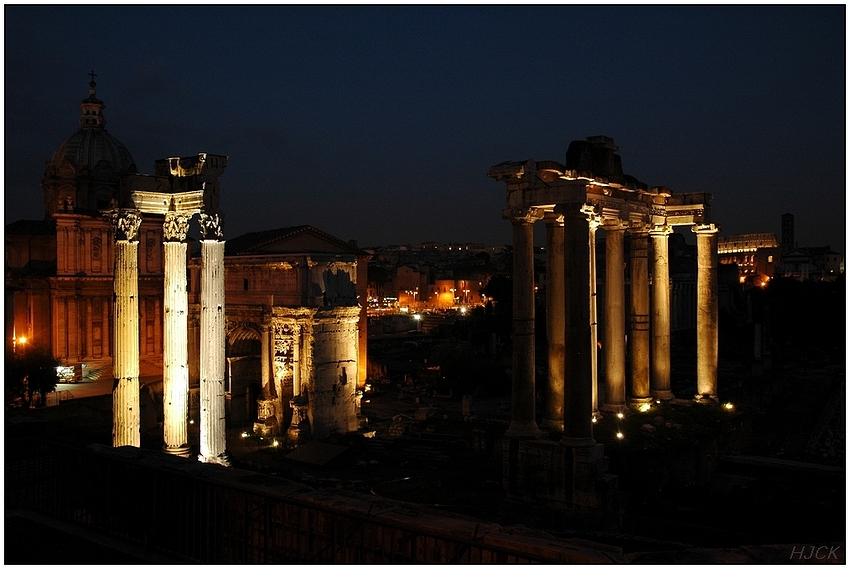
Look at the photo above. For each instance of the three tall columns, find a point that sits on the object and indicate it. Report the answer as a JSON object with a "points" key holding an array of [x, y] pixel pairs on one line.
{"points": [[125, 397]]}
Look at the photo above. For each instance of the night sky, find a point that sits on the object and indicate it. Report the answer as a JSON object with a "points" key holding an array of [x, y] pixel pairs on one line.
{"points": [[379, 123]]}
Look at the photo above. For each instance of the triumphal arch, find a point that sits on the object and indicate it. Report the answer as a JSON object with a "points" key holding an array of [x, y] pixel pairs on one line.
{"points": [[588, 193]]}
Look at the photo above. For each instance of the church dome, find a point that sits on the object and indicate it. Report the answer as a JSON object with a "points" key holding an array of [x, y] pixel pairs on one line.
{"points": [[87, 149], [84, 172], [90, 145]]}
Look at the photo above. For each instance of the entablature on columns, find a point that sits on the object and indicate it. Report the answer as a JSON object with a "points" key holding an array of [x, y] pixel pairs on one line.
{"points": [[543, 185], [523, 214], [705, 228]]}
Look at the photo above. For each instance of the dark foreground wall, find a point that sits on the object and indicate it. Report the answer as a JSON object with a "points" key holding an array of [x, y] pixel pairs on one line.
{"points": [[212, 514]]}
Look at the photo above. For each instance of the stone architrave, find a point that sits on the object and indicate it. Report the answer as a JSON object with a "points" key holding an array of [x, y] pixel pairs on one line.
{"points": [[554, 418], [707, 312], [125, 362], [639, 337], [660, 321], [523, 421], [615, 319], [213, 435], [578, 411], [175, 354]]}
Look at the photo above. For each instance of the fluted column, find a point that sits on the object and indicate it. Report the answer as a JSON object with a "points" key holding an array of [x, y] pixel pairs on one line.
{"points": [[594, 221], [660, 377], [523, 422], [213, 436], [554, 419], [578, 391], [615, 319], [125, 361], [707, 331], [266, 361], [175, 348], [639, 326]]}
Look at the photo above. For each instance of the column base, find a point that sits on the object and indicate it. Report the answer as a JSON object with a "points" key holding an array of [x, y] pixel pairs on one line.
{"points": [[613, 408], [640, 400], [707, 399], [297, 435], [663, 395], [552, 426], [578, 441], [182, 451], [221, 459], [524, 431]]}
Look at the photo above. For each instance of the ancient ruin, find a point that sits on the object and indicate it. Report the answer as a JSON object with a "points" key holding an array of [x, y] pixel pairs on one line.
{"points": [[182, 188], [296, 337], [575, 199]]}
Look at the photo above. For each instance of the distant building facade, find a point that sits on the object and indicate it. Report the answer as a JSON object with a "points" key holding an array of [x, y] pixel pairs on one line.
{"points": [[757, 255], [59, 270]]}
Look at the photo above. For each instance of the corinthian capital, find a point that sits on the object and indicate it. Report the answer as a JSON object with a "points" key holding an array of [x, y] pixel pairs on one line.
{"points": [[211, 226], [176, 226], [125, 223], [660, 230]]}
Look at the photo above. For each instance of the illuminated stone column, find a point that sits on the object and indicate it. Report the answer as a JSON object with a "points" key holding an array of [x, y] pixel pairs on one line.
{"points": [[593, 224], [615, 319], [706, 312], [639, 336], [554, 419], [266, 361], [523, 422], [213, 439], [125, 361], [299, 428], [578, 391], [175, 346], [660, 321]]}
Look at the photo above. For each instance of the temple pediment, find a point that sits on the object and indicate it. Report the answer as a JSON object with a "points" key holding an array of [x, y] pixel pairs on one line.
{"points": [[290, 240]]}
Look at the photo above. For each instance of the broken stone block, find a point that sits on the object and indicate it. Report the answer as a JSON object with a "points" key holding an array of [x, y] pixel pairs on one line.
{"points": [[648, 428]]}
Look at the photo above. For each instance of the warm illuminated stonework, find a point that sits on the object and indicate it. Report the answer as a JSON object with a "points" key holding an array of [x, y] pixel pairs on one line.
{"points": [[295, 342], [125, 393], [589, 193]]}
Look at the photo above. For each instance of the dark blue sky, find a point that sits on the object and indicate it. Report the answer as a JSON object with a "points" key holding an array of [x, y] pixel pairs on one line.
{"points": [[380, 123]]}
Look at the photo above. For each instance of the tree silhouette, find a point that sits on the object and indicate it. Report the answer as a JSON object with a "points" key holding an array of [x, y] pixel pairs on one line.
{"points": [[29, 372]]}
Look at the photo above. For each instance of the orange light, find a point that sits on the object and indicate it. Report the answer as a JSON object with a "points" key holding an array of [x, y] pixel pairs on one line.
{"points": [[22, 339]]}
